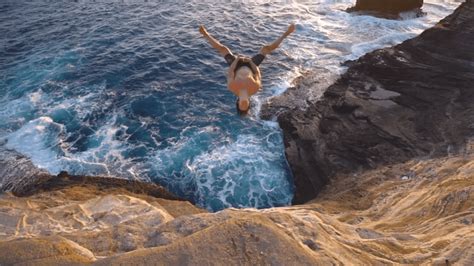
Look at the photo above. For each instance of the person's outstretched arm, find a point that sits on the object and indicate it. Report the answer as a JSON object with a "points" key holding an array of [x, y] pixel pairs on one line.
{"points": [[256, 70], [231, 71], [222, 49], [231, 77], [269, 48]]}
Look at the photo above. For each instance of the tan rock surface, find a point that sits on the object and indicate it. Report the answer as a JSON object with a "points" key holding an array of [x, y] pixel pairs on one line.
{"points": [[250, 240], [52, 250], [419, 212]]}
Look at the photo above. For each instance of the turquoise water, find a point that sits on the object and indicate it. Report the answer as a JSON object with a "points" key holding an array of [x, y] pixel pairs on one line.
{"points": [[130, 89]]}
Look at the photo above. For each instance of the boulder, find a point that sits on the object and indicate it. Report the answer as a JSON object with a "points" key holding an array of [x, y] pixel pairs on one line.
{"points": [[387, 6]]}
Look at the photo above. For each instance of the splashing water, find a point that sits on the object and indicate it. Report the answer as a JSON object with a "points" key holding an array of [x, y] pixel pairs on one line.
{"points": [[131, 89]]}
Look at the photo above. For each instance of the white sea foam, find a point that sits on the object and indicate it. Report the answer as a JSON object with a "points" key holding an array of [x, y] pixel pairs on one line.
{"points": [[41, 140], [220, 174], [326, 36]]}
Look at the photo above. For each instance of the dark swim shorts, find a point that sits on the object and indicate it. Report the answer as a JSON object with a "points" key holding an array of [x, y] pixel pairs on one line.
{"points": [[256, 59]]}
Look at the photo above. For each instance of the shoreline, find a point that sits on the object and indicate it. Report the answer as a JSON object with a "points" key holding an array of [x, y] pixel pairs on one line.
{"points": [[392, 105], [412, 207]]}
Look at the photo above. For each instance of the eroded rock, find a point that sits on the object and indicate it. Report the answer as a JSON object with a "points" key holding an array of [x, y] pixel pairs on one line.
{"points": [[422, 220], [394, 104]]}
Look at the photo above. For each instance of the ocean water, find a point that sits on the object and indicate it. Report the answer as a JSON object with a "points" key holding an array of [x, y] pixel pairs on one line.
{"points": [[130, 89]]}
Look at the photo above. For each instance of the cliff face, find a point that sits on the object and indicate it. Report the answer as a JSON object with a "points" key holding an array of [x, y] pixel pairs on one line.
{"points": [[418, 212], [415, 99]]}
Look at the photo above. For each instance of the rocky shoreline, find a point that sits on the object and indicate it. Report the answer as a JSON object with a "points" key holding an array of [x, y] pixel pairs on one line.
{"points": [[418, 212], [414, 99], [393, 136]]}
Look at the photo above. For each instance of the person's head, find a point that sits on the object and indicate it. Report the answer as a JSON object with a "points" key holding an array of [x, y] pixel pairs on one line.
{"points": [[243, 106], [243, 102]]}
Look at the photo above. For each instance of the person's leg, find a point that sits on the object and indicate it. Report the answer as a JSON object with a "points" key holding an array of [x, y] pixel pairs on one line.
{"points": [[222, 49], [269, 48]]}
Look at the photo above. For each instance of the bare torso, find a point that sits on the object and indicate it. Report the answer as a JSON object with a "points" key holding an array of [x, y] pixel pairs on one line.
{"points": [[244, 78]]}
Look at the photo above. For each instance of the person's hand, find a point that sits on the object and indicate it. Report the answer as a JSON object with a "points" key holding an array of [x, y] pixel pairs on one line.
{"points": [[291, 28], [203, 30], [246, 59], [241, 58]]}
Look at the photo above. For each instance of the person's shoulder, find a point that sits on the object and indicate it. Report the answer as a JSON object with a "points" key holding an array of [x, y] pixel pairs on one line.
{"points": [[253, 88]]}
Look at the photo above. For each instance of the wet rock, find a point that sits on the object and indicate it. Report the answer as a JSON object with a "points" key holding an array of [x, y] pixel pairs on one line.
{"points": [[415, 99], [387, 6], [17, 171]]}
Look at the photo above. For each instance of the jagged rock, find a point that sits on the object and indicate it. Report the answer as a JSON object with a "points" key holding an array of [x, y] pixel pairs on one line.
{"points": [[17, 171], [387, 6], [415, 99]]}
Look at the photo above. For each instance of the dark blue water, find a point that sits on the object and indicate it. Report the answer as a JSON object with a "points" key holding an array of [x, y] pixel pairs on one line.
{"points": [[130, 89]]}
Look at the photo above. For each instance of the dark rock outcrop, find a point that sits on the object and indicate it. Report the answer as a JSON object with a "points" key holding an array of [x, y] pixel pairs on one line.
{"points": [[387, 6], [17, 171], [64, 180], [21, 177], [415, 99]]}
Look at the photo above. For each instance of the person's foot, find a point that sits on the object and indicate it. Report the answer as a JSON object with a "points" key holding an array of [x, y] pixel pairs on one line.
{"points": [[203, 30]]}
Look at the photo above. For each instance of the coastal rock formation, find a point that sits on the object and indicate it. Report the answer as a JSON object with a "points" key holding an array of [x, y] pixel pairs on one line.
{"points": [[418, 212], [49, 250], [17, 171], [387, 6], [413, 100], [406, 112], [21, 177]]}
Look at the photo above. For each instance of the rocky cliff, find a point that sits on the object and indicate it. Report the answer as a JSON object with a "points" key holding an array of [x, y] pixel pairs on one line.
{"points": [[410, 101], [418, 212], [392, 135]]}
